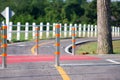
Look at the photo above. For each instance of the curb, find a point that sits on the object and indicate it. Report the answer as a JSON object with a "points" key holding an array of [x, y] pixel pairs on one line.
{"points": [[68, 49]]}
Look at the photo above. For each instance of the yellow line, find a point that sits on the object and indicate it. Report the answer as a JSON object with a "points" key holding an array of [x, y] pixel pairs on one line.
{"points": [[44, 43], [62, 73], [33, 48]]}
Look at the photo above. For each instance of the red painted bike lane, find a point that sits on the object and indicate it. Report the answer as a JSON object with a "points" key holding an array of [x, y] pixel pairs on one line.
{"points": [[48, 58]]}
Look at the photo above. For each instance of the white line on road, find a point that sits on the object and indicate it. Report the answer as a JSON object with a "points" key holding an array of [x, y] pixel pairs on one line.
{"points": [[113, 61], [20, 45], [89, 64]]}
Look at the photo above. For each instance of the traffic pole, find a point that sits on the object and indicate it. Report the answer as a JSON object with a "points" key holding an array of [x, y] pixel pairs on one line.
{"points": [[37, 39], [73, 41], [4, 46], [57, 44]]}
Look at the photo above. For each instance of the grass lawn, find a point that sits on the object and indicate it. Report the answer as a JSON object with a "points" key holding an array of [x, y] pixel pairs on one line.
{"points": [[92, 47], [30, 37]]}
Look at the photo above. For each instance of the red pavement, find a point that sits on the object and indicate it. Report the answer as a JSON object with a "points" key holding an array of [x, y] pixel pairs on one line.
{"points": [[40, 58]]}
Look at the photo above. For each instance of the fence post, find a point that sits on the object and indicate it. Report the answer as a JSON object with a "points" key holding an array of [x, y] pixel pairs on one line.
{"points": [[33, 27], [95, 30], [26, 30], [70, 29], [4, 46], [118, 31], [60, 30], [57, 44], [91, 30], [65, 30], [73, 41], [18, 30], [80, 30], [53, 30], [84, 30], [41, 30], [10, 31], [88, 30], [113, 31], [48, 30]]}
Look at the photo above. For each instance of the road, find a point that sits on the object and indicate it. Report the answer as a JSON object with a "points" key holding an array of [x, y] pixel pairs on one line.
{"points": [[24, 65]]}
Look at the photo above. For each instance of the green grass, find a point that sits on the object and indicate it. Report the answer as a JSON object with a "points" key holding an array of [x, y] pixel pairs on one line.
{"points": [[92, 47], [22, 37], [44, 37]]}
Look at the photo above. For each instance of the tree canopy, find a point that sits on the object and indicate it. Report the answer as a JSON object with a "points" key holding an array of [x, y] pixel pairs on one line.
{"points": [[63, 11]]}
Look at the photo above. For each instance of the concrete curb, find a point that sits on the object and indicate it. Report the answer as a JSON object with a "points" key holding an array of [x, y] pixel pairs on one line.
{"points": [[68, 49]]}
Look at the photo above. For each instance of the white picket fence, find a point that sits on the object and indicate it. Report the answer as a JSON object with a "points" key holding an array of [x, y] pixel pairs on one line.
{"points": [[48, 30]]}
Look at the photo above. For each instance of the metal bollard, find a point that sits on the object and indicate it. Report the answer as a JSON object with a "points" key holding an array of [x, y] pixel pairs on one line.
{"points": [[4, 46], [73, 41], [57, 44], [0, 39], [37, 39]]}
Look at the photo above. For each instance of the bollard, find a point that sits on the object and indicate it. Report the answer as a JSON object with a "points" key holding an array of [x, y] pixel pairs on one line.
{"points": [[57, 44], [0, 38], [73, 41], [4, 46], [37, 39]]}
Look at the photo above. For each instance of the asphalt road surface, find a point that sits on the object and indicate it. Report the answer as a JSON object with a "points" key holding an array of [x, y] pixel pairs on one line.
{"points": [[26, 66]]}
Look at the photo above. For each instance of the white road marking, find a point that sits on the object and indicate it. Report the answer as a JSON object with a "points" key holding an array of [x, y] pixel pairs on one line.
{"points": [[113, 61], [46, 46], [90, 64], [20, 45], [67, 48]]}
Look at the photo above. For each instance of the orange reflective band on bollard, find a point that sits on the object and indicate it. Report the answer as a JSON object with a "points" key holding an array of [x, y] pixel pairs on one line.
{"points": [[37, 34], [57, 44], [73, 34], [37, 28], [73, 46], [4, 36], [4, 45], [73, 40], [73, 29], [57, 26], [57, 35], [57, 53], [4, 27], [4, 54], [36, 46], [37, 40]]}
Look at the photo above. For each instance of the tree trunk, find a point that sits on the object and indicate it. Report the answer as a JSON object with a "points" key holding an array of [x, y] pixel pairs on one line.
{"points": [[104, 29]]}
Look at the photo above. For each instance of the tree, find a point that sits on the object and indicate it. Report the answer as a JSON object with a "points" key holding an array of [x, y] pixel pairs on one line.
{"points": [[53, 11], [104, 28]]}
